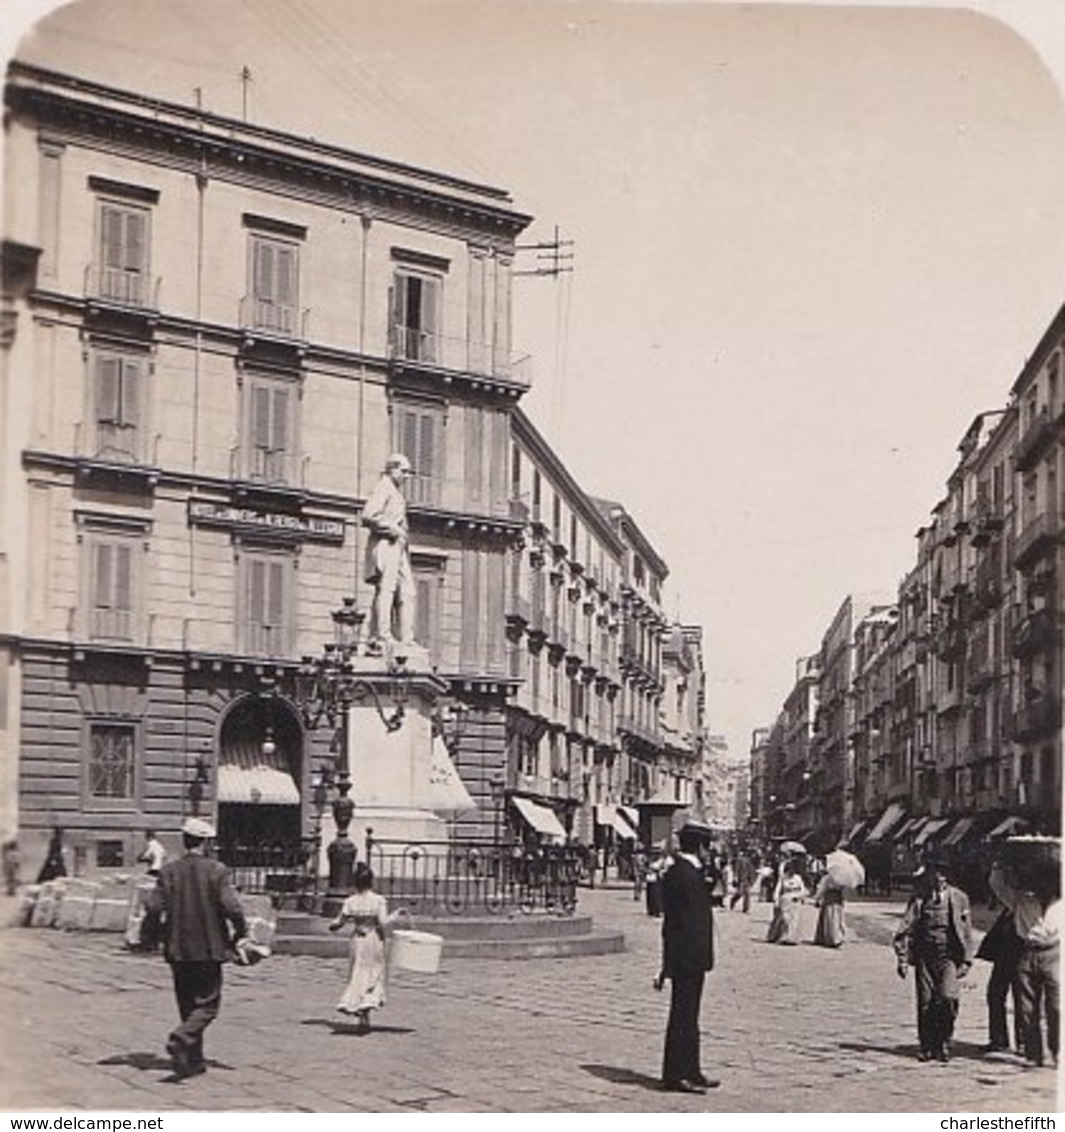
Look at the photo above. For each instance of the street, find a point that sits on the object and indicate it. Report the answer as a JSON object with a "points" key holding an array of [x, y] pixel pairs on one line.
{"points": [[784, 1028]]}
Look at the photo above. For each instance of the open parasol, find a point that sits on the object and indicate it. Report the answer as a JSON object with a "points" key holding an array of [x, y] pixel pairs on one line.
{"points": [[845, 869], [792, 847]]}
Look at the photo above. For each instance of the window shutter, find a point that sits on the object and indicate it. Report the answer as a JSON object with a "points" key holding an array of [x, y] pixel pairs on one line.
{"points": [[256, 593], [279, 425], [430, 312], [422, 613], [130, 392], [263, 271], [108, 410], [102, 576], [135, 225], [111, 236], [286, 275], [260, 424], [123, 559], [275, 609], [399, 301]]}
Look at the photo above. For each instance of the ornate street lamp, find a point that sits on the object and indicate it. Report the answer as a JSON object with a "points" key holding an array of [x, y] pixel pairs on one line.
{"points": [[326, 688]]}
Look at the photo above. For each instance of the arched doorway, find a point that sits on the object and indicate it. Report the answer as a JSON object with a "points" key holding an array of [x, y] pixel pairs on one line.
{"points": [[259, 780]]}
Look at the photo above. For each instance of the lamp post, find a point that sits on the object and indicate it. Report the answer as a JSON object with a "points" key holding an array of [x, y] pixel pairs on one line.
{"points": [[326, 688]]}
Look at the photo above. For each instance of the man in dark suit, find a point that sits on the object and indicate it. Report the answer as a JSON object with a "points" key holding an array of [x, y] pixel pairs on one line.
{"points": [[191, 909], [687, 954], [935, 938]]}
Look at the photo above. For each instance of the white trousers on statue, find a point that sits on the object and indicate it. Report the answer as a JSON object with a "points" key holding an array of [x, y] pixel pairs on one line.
{"points": [[395, 587]]}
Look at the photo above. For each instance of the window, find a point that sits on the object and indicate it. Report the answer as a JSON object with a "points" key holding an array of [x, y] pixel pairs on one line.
{"points": [[112, 757], [416, 316], [268, 603], [419, 435], [271, 428], [274, 284], [123, 253], [110, 855], [428, 575], [118, 404]]}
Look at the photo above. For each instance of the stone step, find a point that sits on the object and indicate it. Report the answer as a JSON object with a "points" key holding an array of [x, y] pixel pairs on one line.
{"points": [[456, 927], [529, 947]]}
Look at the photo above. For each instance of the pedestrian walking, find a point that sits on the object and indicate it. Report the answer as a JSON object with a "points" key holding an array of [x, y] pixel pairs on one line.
{"points": [[687, 955], [1002, 947], [1036, 907], [54, 865], [196, 913], [153, 855], [935, 938], [787, 904], [745, 879], [831, 927], [367, 914]]}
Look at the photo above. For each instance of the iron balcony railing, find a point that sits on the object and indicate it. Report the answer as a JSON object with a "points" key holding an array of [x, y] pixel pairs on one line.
{"points": [[475, 877], [440, 351], [285, 870]]}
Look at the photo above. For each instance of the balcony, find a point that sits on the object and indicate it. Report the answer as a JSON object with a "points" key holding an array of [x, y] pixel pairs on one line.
{"points": [[1038, 717], [950, 642], [1035, 438], [426, 349], [1035, 633], [1035, 540], [269, 472], [122, 288], [116, 452]]}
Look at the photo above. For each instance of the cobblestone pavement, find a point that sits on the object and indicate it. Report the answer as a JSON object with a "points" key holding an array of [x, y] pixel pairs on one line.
{"points": [[784, 1028]]}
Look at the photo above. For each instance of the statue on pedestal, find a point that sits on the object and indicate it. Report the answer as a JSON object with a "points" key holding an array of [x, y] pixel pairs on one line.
{"points": [[388, 567]]}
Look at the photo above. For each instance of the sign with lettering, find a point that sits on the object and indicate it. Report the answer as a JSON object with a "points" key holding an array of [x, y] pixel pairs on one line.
{"points": [[205, 513]]}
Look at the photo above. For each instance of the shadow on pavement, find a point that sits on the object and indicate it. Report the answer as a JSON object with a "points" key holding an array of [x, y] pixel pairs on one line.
{"points": [[137, 1060], [618, 1076], [966, 1050], [351, 1029]]}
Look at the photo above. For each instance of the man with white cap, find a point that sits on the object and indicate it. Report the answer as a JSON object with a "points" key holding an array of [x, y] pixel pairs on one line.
{"points": [[388, 566], [196, 912]]}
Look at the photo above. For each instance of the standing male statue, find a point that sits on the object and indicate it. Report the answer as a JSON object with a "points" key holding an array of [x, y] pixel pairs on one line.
{"points": [[388, 567]]}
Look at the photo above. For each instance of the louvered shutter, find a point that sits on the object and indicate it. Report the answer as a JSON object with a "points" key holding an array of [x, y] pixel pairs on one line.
{"points": [[263, 271], [108, 392], [287, 292], [102, 576], [123, 562], [130, 393], [430, 319], [111, 237]]}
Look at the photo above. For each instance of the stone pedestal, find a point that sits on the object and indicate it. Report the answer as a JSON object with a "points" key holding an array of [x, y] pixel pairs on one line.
{"points": [[391, 770]]}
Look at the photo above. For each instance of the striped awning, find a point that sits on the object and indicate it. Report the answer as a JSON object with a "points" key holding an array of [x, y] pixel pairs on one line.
{"points": [[888, 818], [540, 818], [1007, 825], [961, 828], [632, 816], [610, 817], [929, 829], [264, 785]]}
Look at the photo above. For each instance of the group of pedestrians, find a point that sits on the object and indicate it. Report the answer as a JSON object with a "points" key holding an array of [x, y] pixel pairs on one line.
{"points": [[934, 938], [195, 913]]}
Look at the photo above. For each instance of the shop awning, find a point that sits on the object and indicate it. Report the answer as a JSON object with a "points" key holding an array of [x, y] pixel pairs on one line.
{"points": [[540, 818], [1007, 826], [907, 827], [632, 816], [610, 817], [856, 829], [961, 827], [264, 785], [930, 829], [889, 818]]}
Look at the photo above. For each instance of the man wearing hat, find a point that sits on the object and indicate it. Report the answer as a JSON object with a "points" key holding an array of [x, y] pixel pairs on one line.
{"points": [[687, 954], [935, 938], [197, 914], [388, 566]]}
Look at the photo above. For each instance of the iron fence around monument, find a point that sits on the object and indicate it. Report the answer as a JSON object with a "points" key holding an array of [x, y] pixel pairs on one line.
{"points": [[285, 870], [474, 877]]}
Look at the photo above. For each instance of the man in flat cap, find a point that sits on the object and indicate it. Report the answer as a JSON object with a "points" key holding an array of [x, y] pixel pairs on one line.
{"points": [[388, 566], [197, 914], [687, 955]]}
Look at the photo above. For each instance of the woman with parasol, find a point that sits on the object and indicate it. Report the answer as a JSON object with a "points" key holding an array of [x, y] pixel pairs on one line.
{"points": [[842, 871]]}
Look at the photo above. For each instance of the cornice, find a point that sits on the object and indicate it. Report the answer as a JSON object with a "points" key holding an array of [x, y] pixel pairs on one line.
{"points": [[205, 145]]}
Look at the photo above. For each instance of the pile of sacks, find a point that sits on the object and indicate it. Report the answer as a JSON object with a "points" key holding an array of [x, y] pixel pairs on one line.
{"points": [[117, 904]]}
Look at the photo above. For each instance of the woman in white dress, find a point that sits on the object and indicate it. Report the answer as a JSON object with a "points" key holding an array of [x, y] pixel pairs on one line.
{"points": [[366, 912], [787, 902]]}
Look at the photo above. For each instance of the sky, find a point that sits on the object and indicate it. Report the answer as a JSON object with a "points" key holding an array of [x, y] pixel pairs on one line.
{"points": [[810, 244]]}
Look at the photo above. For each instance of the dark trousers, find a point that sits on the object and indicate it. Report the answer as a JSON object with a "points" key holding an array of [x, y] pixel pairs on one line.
{"points": [[936, 977], [198, 989], [741, 894], [681, 1061], [1038, 987], [1003, 980]]}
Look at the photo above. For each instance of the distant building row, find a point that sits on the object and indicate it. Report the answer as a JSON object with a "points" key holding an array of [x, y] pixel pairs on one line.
{"points": [[944, 702]]}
